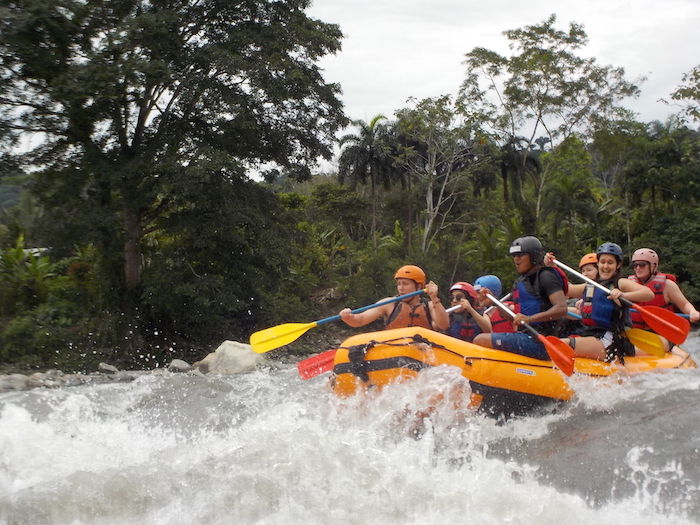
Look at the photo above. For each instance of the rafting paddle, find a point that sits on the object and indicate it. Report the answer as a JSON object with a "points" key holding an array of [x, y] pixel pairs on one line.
{"points": [[663, 322], [280, 335], [649, 342], [316, 365], [559, 352]]}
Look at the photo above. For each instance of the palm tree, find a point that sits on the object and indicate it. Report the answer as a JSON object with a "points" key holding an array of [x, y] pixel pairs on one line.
{"points": [[364, 158], [570, 199]]}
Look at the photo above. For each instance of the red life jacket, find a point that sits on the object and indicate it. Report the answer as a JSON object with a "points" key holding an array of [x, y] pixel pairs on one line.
{"points": [[405, 316], [499, 323], [656, 285]]}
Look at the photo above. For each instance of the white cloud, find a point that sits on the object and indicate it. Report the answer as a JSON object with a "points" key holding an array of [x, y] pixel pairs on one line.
{"points": [[396, 49]]}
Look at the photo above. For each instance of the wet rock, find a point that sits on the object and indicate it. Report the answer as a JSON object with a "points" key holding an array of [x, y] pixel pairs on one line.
{"points": [[231, 358], [178, 365], [107, 369], [14, 382]]}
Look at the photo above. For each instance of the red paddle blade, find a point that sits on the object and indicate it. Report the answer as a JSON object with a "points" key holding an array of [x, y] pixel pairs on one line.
{"points": [[665, 323], [560, 353], [316, 365]]}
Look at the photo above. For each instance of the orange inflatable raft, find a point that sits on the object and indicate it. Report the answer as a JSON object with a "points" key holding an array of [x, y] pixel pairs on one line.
{"points": [[502, 381]]}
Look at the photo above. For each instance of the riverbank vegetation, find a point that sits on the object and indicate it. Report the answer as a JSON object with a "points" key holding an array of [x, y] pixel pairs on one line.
{"points": [[159, 190]]}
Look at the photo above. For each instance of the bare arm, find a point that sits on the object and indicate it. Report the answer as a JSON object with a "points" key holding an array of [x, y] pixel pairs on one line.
{"points": [[557, 310], [673, 295], [635, 292], [484, 321], [576, 291], [366, 317], [441, 319]]}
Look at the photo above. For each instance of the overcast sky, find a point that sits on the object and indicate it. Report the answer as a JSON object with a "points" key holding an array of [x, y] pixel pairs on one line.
{"points": [[396, 49]]}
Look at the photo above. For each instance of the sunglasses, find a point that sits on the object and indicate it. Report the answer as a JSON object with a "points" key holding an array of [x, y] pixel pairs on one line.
{"points": [[457, 297], [641, 264]]}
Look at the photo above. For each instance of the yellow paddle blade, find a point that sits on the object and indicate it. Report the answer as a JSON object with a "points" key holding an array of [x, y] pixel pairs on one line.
{"points": [[649, 342], [280, 335]]}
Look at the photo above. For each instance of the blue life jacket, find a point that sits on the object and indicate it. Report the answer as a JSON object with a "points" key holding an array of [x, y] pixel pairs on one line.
{"points": [[527, 297], [599, 311], [465, 328]]}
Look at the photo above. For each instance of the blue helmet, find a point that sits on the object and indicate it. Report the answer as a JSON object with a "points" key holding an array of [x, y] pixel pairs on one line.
{"points": [[610, 248], [491, 282]]}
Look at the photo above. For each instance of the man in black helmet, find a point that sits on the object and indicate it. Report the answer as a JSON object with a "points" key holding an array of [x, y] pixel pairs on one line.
{"points": [[539, 297]]}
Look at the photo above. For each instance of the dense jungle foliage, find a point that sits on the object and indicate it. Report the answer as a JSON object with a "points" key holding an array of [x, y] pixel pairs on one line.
{"points": [[159, 190]]}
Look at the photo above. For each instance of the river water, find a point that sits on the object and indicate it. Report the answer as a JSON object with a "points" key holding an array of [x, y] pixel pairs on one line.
{"points": [[268, 448]]}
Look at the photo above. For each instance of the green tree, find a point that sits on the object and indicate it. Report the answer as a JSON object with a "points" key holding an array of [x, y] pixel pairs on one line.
{"points": [[688, 94], [543, 89], [364, 157], [570, 199], [134, 104], [445, 153]]}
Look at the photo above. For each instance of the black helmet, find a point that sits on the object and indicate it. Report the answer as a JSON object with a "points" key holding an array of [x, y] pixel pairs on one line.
{"points": [[610, 248], [531, 245]]}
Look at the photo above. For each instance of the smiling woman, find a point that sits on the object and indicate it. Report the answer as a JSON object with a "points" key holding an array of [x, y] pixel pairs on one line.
{"points": [[604, 317], [667, 293]]}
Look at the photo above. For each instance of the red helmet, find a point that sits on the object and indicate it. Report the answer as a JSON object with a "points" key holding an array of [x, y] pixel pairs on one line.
{"points": [[648, 255], [411, 272], [589, 258], [465, 287]]}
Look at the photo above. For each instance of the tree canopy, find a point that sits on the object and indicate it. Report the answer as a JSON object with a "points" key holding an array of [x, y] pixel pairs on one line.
{"points": [[165, 151], [131, 105]]}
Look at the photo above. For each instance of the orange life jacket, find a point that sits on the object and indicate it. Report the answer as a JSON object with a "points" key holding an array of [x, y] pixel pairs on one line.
{"points": [[404, 316]]}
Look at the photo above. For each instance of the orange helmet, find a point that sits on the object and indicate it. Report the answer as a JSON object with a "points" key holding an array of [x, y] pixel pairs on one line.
{"points": [[589, 258], [411, 272], [648, 255]]}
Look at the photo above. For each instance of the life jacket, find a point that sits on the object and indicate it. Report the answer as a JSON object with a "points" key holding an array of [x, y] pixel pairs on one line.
{"points": [[600, 315], [656, 285], [405, 316], [463, 327], [501, 323], [528, 300], [597, 309]]}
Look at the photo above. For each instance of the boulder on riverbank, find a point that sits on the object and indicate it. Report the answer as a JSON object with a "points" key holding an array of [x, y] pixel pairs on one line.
{"points": [[229, 358]]}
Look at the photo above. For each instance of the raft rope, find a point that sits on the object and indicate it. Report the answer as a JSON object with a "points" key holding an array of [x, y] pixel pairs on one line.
{"points": [[360, 367]]}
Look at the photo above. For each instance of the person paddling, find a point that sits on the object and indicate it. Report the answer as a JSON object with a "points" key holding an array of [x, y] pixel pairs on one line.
{"points": [[589, 265], [539, 298], [604, 317], [491, 284], [413, 311], [469, 321], [667, 294]]}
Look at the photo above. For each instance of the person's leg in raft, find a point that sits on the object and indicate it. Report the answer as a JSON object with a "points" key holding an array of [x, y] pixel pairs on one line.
{"points": [[517, 343], [483, 339], [589, 347]]}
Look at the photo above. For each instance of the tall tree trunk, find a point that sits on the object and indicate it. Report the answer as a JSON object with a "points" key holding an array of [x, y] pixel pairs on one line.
{"points": [[374, 211], [410, 216], [132, 251]]}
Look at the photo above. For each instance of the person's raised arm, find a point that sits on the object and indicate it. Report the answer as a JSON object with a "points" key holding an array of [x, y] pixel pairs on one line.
{"points": [[366, 317], [441, 319], [484, 321]]}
